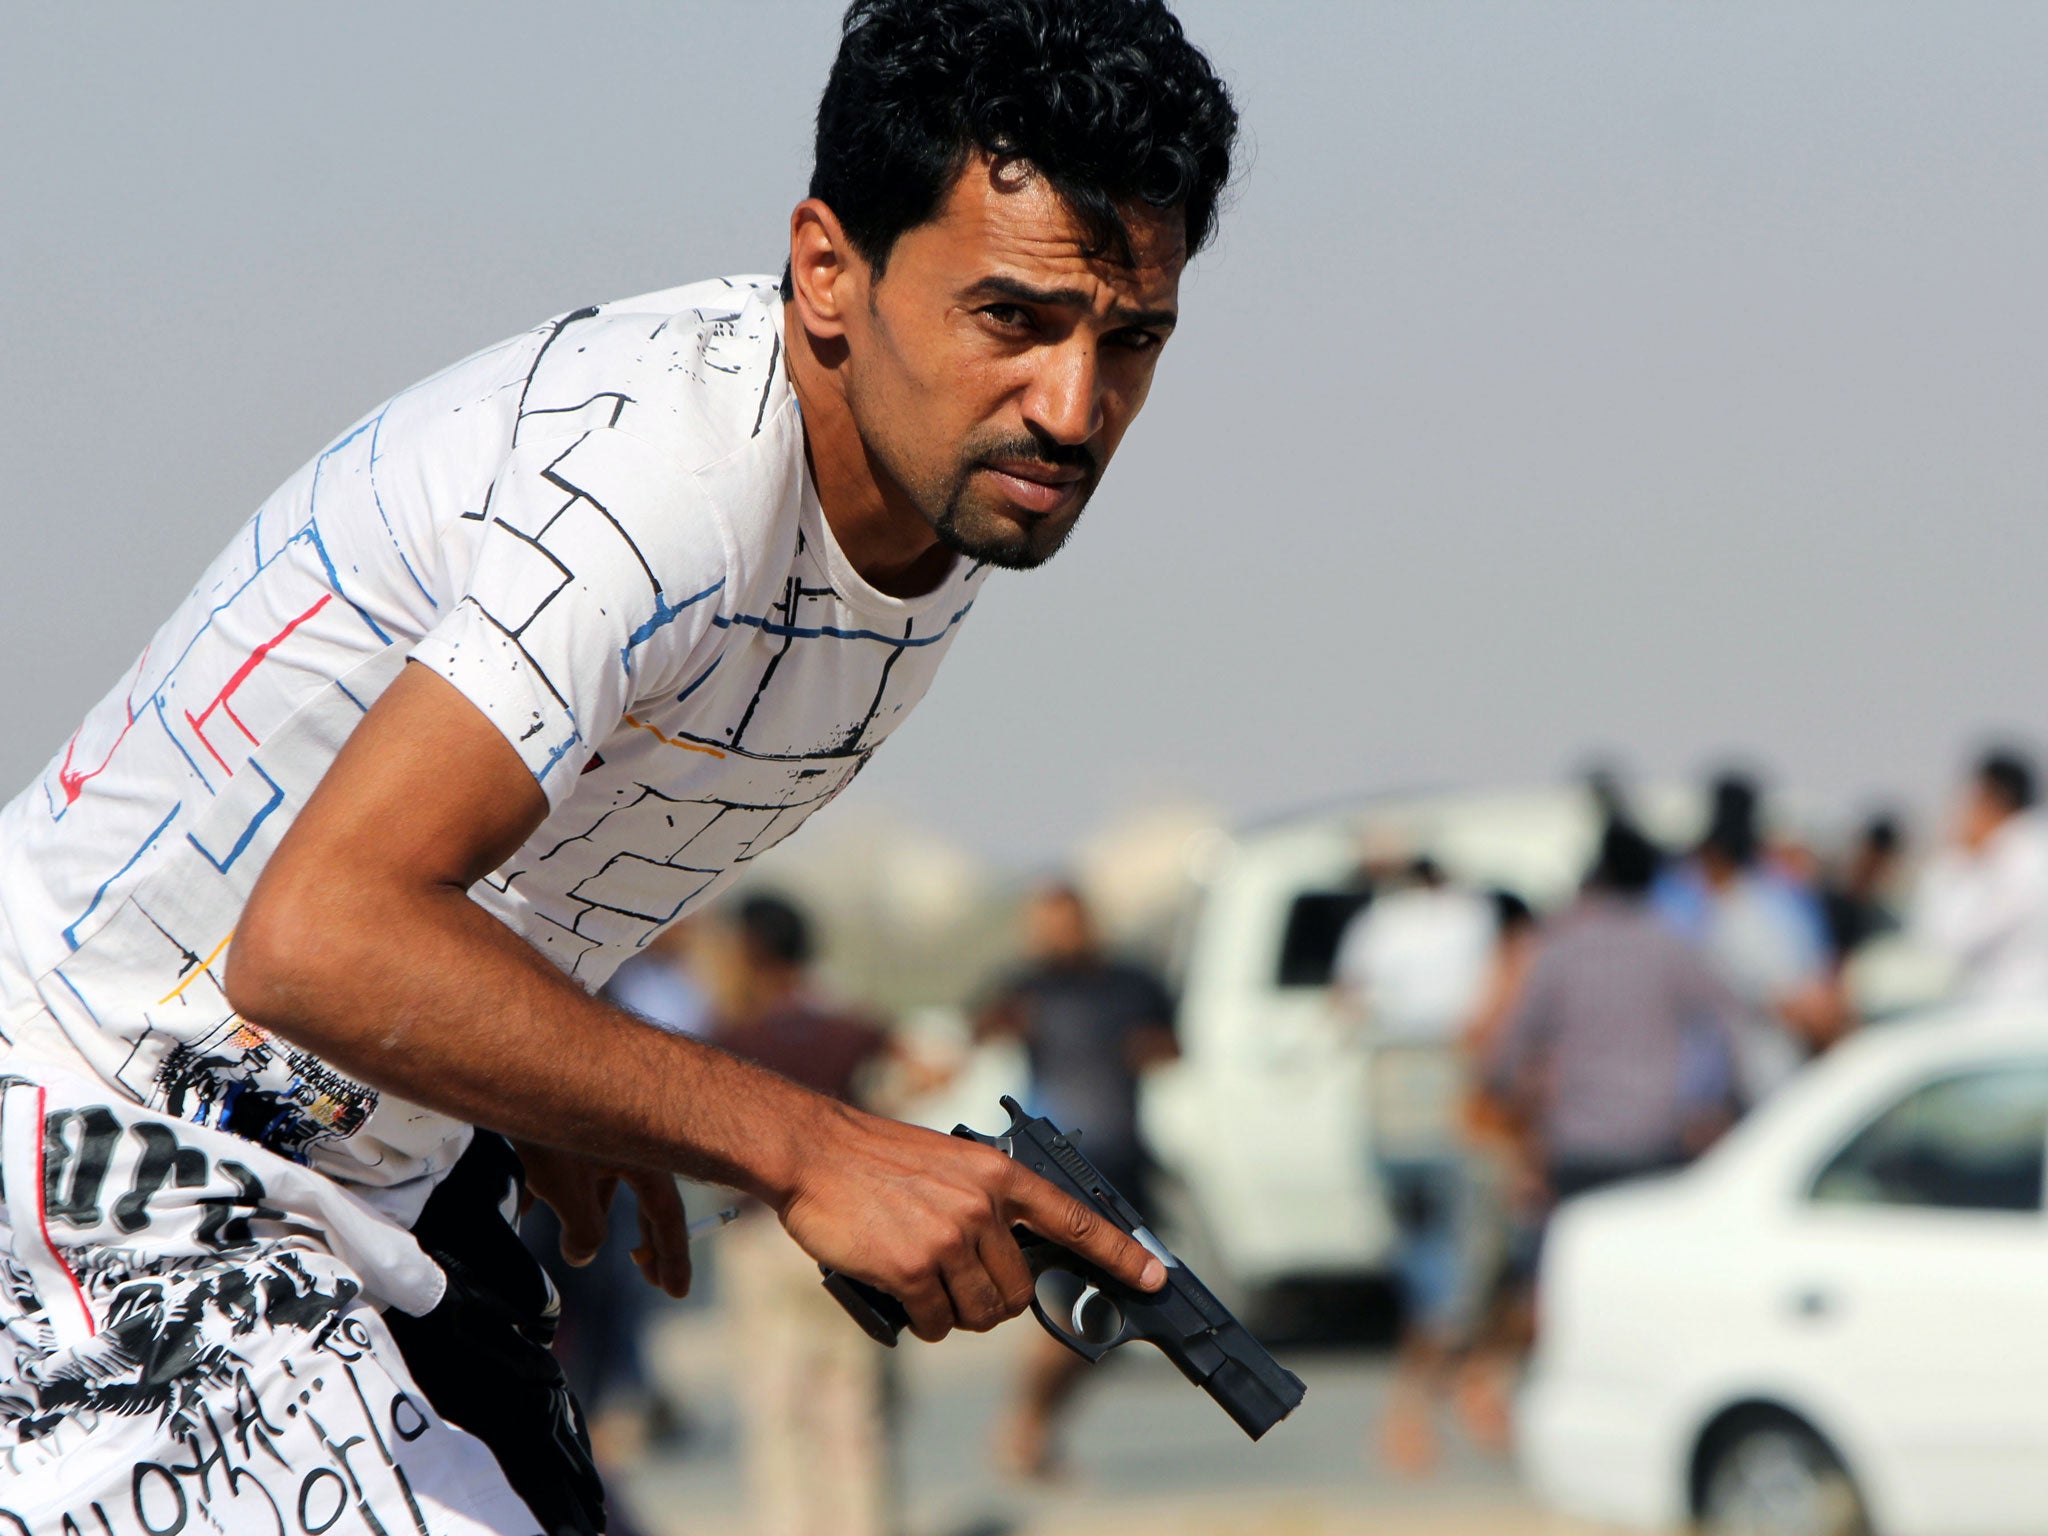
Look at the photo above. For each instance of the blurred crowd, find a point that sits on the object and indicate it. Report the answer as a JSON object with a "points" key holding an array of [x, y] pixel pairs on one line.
{"points": [[817, 1404], [1627, 1032], [1556, 1052]]}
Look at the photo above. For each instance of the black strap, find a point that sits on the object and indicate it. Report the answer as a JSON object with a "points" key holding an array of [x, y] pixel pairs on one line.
{"points": [[482, 1355]]}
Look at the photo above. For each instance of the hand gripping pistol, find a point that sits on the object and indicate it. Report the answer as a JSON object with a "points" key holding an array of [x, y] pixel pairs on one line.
{"points": [[1091, 1312]]}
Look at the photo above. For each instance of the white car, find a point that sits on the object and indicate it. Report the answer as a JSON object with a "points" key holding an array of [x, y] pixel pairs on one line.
{"points": [[1835, 1322]]}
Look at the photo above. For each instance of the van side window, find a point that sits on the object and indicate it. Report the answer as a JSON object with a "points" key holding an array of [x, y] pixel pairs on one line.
{"points": [[1315, 926], [1973, 1142]]}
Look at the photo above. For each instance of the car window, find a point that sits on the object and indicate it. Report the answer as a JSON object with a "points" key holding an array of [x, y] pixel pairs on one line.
{"points": [[1973, 1141], [1315, 925]]}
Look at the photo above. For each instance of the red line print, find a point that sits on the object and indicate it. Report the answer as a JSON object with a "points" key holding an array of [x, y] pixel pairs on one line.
{"points": [[42, 1222], [73, 779], [220, 700]]}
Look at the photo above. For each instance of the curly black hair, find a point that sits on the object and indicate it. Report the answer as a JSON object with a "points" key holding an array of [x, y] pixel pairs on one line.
{"points": [[1106, 99]]}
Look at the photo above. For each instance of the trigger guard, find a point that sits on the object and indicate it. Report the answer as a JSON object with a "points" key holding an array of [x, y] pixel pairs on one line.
{"points": [[1082, 1347]]}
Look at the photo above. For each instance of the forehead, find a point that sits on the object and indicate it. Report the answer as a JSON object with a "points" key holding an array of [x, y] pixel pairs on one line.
{"points": [[1001, 217]]}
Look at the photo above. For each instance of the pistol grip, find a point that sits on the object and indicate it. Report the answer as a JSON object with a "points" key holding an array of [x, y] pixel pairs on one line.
{"points": [[880, 1315]]}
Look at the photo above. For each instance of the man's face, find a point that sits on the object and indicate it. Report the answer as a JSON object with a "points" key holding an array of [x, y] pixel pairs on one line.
{"points": [[1056, 927], [995, 366], [1980, 812]]}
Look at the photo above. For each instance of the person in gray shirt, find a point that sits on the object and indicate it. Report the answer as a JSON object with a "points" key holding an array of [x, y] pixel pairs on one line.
{"points": [[1598, 1053], [1091, 1026]]}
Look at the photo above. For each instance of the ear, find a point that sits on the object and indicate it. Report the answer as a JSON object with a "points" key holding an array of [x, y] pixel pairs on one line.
{"points": [[828, 277]]}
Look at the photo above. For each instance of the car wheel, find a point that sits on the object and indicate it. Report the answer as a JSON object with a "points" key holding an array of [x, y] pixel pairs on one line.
{"points": [[1775, 1477]]}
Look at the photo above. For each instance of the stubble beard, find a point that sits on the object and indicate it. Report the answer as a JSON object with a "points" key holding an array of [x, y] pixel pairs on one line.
{"points": [[1011, 543]]}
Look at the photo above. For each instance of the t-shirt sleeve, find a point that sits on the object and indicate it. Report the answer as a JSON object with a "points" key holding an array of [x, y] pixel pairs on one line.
{"points": [[598, 576]]}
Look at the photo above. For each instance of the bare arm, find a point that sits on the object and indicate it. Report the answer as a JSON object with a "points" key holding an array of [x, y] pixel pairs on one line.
{"points": [[360, 943]]}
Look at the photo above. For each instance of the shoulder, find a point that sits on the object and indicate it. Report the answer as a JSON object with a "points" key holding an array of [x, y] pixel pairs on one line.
{"points": [[696, 371], [679, 403]]}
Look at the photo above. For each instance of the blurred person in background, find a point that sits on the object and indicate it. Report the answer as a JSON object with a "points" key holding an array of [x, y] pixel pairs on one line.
{"points": [[607, 1306], [1504, 1193], [1410, 968], [814, 1393], [1412, 962], [1983, 901], [1766, 933], [1595, 1056], [1859, 895], [664, 983], [1091, 1026]]}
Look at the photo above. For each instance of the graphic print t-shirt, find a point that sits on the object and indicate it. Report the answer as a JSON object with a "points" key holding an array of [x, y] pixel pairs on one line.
{"points": [[603, 533]]}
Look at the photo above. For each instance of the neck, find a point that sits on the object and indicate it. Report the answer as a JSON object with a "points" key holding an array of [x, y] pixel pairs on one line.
{"points": [[880, 533]]}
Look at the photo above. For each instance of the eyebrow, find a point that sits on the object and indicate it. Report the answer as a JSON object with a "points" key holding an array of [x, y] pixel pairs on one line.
{"points": [[1068, 298]]}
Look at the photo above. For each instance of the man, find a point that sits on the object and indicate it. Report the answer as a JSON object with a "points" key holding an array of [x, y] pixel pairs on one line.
{"points": [[1765, 932], [813, 1393], [1984, 902], [1410, 968], [1595, 1056], [515, 672], [1091, 1025]]}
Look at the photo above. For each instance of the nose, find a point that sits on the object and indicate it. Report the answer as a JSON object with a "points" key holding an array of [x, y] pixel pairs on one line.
{"points": [[1065, 397]]}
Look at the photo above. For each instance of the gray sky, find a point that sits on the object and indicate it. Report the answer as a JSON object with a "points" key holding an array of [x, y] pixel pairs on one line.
{"points": [[1662, 380]]}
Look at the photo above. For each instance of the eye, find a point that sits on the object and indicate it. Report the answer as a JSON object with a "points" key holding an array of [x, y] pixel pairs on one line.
{"points": [[1008, 317], [1135, 340]]}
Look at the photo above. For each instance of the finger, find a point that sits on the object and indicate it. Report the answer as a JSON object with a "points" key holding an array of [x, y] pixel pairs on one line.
{"points": [[1066, 1221], [664, 1232], [643, 1260], [977, 1299], [930, 1309], [583, 1219], [1007, 1267]]}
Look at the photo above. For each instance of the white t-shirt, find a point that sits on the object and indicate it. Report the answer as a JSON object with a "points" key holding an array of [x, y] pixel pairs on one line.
{"points": [[1416, 959], [604, 534], [1988, 912]]}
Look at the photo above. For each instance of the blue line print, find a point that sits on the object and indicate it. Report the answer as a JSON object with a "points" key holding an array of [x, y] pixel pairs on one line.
{"points": [[311, 533], [72, 988], [71, 933], [556, 754], [377, 431], [262, 815], [164, 721], [702, 678], [663, 615], [769, 626]]}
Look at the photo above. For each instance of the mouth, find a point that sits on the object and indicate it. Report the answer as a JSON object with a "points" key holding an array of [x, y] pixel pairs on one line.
{"points": [[1038, 490]]}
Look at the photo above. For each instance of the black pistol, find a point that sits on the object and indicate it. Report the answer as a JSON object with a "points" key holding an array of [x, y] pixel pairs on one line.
{"points": [[1091, 1312]]}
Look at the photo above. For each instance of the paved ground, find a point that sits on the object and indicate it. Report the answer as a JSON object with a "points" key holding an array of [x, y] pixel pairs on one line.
{"points": [[1149, 1454]]}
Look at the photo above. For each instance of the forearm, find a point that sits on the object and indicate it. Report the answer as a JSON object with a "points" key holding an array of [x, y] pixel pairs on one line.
{"points": [[477, 1024]]}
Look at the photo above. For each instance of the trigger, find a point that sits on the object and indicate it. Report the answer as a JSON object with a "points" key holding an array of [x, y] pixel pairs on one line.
{"points": [[1079, 1314]]}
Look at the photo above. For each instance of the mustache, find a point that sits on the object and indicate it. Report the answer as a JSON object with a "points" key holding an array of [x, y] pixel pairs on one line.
{"points": [[1039, 450]]}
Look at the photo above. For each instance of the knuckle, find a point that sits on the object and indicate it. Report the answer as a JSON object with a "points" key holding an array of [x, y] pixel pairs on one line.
{"points": [[1078, 1222]]}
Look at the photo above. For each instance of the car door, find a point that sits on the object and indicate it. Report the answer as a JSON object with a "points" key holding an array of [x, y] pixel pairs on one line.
{"points": [[1915, 1292]]}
